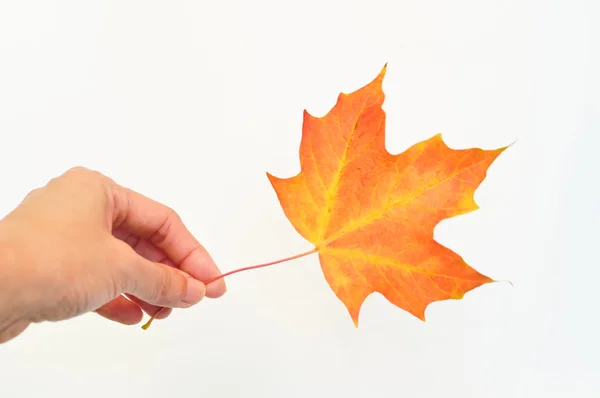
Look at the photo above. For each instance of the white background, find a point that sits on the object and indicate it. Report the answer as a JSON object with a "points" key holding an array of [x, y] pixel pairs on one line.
{"points": [[191, 102]]}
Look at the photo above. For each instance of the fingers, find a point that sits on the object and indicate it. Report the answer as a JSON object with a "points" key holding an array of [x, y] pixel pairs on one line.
{"points": [[121, 310], [129, 312], [13, 330], [197, 264], [158, 284], [151, 309], [151, 253], [162, 227]]}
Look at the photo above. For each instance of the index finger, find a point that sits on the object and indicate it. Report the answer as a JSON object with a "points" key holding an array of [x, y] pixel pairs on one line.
{"points": [[162, 227]]}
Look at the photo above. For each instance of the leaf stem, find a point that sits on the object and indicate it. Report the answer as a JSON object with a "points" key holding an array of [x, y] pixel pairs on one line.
{"points": [[235, 271]]}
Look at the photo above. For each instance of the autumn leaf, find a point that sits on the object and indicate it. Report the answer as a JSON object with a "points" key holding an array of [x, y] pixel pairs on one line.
{"points": [[371, 215]]}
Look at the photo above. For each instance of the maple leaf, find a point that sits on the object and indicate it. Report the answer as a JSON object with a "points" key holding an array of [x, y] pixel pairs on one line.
{"points": [[371, 215]]}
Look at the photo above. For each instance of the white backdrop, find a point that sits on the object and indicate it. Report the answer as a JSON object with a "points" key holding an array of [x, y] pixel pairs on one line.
{"points": [[191, 102]]}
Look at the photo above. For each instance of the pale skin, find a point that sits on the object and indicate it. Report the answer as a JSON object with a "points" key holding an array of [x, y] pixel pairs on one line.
{"points": [[83, 243]]}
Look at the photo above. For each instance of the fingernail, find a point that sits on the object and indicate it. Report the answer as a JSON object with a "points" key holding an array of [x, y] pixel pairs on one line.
{"points": [[195, 291]]}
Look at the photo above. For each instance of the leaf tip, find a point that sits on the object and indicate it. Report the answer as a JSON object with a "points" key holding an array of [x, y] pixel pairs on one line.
{"points": [[382, 73], [354, 316], [384, 69], [420, 313], [376, 83], [498, 151], [273, 180]]}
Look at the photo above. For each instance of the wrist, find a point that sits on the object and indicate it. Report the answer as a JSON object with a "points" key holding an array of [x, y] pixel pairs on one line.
{"points": [[13, 292]]}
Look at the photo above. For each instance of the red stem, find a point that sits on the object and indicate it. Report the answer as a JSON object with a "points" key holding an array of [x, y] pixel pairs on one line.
{"points": [[147, 324]]}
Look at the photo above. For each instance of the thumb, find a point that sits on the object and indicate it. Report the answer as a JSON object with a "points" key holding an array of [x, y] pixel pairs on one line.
{"points": [[160, 284]]}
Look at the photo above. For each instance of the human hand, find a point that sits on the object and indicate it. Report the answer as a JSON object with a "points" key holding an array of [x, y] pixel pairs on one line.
{"points": [[82, 243]]}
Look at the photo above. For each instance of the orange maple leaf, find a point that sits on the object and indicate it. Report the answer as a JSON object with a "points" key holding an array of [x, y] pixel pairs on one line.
{"points": [[371, 215]]}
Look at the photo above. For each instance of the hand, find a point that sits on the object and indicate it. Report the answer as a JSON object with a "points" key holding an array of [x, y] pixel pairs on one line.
{"points": [[83, 243]]}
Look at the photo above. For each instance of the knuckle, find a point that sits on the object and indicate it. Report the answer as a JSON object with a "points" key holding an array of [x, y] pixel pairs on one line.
{"points": [[173, 215], [159, 237], [33, 193], [77, 171], [83, 173], [79, 177]]}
